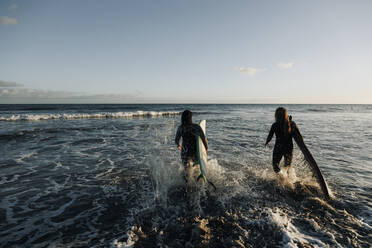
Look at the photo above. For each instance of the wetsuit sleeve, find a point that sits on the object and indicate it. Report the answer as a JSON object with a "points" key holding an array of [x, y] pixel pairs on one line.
{"points": [[178, 136], [204, 139], [271, 133], [295, 128], [199, 132]]}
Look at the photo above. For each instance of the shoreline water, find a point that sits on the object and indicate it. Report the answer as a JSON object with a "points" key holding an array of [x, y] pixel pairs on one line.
{"points": [[115, 182]]}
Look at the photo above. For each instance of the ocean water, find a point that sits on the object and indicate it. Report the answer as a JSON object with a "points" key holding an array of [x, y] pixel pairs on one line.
{"points": [[111, 176]]}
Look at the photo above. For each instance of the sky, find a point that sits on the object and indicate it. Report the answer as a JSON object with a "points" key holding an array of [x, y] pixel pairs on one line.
{"points": [[191, 51]]}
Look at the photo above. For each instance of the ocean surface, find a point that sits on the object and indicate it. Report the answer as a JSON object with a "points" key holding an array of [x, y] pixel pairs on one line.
{"points": [[111, 176]]}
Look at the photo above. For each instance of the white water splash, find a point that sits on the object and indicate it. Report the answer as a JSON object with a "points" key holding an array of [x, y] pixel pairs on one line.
{"points": [[110, 115]]}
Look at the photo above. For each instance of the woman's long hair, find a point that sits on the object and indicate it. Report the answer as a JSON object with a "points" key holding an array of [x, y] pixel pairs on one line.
{"points": [[186, 117], [282, 118]]}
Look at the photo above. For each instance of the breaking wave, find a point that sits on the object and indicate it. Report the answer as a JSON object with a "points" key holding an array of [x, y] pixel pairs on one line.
{"points": [[108, 115]]}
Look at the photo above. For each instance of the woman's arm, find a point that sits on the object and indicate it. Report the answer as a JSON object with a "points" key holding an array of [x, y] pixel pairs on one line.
{"points": [[270, 136], [204, 139], [198, 131], [178, 137]]}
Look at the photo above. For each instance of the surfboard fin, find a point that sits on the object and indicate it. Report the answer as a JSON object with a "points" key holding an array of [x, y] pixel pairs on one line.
{"points": [[206, 180], [201, 176], [214, 187]]}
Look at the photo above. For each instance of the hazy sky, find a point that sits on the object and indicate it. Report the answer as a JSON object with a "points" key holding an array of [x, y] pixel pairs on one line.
{"points": [[186, 51]]}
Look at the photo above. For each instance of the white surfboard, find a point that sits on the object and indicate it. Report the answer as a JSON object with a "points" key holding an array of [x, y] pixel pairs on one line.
{"points": [[202, 154]]}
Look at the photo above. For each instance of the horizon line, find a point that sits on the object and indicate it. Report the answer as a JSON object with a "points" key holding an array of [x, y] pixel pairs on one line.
{"points": [[212, 103]]}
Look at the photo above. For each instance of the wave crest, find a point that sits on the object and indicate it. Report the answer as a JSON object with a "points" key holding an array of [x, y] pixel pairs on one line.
{"points": [[110, 115]]}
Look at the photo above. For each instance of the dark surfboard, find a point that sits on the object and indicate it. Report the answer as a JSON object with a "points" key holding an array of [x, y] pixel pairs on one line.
{"points": [[310, 159]]}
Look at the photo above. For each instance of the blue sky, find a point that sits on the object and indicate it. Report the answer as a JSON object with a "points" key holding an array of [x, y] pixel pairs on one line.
{"points": [[185, 51]]}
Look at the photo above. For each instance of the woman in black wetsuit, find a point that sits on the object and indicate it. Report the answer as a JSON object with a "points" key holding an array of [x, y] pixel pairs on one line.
{"points": [[189, 133], [283, 129]]}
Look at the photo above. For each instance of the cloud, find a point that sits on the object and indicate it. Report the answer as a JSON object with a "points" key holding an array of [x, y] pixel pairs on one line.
{"points": [[13, 6], [32, 93], [26, 95], [12, 92], [251, 71], [9, 84], [122, 96], [285, 66], [7, 21]]}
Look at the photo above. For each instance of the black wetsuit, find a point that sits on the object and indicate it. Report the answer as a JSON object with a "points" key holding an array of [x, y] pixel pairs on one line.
{"points": [[283, 144], [189, 135]]}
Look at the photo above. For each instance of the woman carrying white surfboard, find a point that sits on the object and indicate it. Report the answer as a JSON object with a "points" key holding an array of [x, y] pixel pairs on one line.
{"points": [[189, 132]]}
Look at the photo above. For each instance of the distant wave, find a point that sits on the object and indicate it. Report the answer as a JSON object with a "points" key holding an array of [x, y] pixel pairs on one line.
{"points": [[338, 108], [38, 108], [137, 114], [321, 110], [24, 134], [316, 110]]}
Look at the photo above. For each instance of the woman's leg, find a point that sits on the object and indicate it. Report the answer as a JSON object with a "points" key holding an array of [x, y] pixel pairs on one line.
{"points": [[188, 164], [288, 158], [277, 156]]}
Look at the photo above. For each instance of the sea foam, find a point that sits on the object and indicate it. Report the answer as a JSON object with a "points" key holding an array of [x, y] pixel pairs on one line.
{"points": [[111, 115]]}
